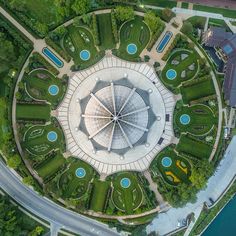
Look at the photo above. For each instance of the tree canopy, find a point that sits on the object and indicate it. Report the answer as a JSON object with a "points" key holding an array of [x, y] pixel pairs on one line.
{"points": [[124, 13], [153, 21], [81, 6]]}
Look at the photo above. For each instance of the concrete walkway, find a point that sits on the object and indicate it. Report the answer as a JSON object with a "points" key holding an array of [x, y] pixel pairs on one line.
{"points": [[216, 186]]}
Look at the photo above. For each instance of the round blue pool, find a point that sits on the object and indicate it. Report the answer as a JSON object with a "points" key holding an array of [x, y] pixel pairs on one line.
{"points": [[166, 161], [53, 90], [85, 55], [171, 74], [80, 172], [184, 119], [52, 136], [132, 48], [125, 182]]}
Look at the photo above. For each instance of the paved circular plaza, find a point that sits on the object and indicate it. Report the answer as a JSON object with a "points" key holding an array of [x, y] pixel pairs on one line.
{"points": [[116, 115]]}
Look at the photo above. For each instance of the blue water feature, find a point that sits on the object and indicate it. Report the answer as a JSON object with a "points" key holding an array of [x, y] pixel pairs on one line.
{"points": [[171, 74], [53, 90], [49, 54], [166, 161], [84, 55], [224, 223], [184, 119], [166, 38], [52, 136], [80, 172], [132, 48], [125, 182]]}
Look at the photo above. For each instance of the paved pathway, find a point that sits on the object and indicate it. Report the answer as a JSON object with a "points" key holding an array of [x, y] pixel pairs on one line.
{"points": [[217, 184]]}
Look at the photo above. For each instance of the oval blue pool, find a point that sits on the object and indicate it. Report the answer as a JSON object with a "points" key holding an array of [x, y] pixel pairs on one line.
{"points": [[80, 172], [184, 119], [53, 90], [166, 161], [171, 74], [166, 38], [132, 48], [125, 182], [85, 55], [52, 136], [49, 54]]}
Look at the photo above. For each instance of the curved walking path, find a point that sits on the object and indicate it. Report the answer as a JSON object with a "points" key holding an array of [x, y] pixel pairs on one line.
{"points": [[48, 210]]}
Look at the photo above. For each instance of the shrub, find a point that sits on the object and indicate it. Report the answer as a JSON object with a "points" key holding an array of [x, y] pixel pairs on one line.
{"points": [[95, 29], [114, 26]]}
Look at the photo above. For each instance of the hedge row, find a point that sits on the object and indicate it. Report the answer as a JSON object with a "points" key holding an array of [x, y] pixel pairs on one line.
{"points": [[114, 27], [58, 49], [95, 29], [154, 38]]}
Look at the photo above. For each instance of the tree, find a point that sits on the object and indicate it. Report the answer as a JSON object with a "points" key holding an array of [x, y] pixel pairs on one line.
{"points": [[81, 7], [63, 8], [18, 5], [37, 231], [28, 180], [153, 21], [124, 13], [7, 52], [187, 28], [167, 14], [14, 161]]}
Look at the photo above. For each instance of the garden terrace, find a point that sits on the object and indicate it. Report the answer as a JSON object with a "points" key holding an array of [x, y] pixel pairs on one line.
{"points": [[188, 145], [33, 112], [42, 85], [125, 198], [133, 32], [73, 186], [76, 40], [185, 63], [178, 171], [42, 139], [198, 89], [201, 120]]}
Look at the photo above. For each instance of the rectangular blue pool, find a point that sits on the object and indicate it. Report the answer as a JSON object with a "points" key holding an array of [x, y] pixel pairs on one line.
{"points": [[49, 54], [161, 46]]}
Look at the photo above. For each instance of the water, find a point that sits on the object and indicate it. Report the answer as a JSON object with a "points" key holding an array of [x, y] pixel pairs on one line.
{"points": [[125, 182], [53, 90], [166, 161], [224, 224], [52, 136], [184, 119], [84, 55], [164, 41], [132, 48], [48, 53], [80, 172], [171, 74]]}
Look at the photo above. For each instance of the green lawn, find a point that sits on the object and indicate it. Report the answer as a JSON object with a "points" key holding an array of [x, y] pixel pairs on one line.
{"points": [[160, 3], [201, 119], [180, 168], [105, 32], [136, 32], [99, 195], [224, 12], [188, 145], [33, 112], [74, 43], [38, 83], [4, 124], [51, 165], [127, 199], [197, 21], [184, 5], [182, 67], [71, 185], [218, 23], [198, 90], [37, 143]]}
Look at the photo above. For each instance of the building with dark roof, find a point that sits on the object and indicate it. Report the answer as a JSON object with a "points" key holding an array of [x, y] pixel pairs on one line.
{"points": [[225, 45]]}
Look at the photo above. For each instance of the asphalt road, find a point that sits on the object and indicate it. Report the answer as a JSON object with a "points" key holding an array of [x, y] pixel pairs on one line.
{"points": [[48, 210]]}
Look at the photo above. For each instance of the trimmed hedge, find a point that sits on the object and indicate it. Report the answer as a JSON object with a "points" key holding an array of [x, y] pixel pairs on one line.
{"points": [[114, 27], [95, 29]]}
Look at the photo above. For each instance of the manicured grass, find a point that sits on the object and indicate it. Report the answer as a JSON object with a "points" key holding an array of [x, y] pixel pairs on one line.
{"points": [[190, 146], [182, 66], [160, 3], [127, 199], [38, 83], [105, 32], [201, 119], [99, 195], [233, 23], [36, 141], [71, 185], [184, 5], [4, 125], [136, 32], [197, 21], [224, 12], [33, 112], [198, 90], [218, 23], [51, 165], [74, 43], [180, 167]]}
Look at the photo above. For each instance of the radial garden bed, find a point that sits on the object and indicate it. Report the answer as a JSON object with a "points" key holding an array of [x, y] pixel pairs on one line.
{"points": [[173, 168], [201, 119]]}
